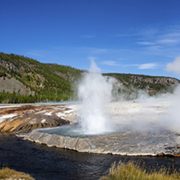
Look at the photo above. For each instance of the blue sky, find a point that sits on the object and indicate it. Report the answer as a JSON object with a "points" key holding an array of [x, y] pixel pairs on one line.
{"points": [[122, 36]]}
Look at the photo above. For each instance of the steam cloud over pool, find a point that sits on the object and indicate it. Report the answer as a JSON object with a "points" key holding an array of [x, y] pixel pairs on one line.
{"points": [[95, 93], [148, 127]]}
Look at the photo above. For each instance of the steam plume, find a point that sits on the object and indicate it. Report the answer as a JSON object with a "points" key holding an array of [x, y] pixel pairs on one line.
{"points": [[95, 93]]}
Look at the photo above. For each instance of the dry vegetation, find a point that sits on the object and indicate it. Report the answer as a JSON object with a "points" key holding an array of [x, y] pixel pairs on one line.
{"points": [[9, 174], [131, 171]]}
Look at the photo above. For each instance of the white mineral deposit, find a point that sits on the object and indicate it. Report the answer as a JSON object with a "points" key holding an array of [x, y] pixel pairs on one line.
{"points": [[146, 126]]}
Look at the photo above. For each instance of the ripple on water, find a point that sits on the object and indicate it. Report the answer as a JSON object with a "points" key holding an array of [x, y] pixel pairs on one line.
{"points": [[45, 163]]}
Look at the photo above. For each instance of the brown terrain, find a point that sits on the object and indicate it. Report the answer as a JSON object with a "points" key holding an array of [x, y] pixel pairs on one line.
{"points": [[24, 118]]}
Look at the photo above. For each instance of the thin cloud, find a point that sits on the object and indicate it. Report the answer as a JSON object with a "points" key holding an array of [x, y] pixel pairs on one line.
{"points": [[130, 65], [91, 50], [174, 66], [139, 66], [164, 41], [167, 41], [110, 63], [154, 48], [149, 32], [99, 50], [172, 34], [125, 35], [148, 66], [145, 43]]}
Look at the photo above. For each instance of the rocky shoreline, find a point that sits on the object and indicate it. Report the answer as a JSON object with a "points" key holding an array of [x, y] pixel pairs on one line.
{"points": [[126, 143], [26, 117], [136, 121]]}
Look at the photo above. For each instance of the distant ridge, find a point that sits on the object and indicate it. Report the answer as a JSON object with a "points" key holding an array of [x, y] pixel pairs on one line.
{"points": [[24, 79]]}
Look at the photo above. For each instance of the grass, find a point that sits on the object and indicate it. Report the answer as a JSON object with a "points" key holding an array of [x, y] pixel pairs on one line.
{"points": [[9, 174], [131, 171]]}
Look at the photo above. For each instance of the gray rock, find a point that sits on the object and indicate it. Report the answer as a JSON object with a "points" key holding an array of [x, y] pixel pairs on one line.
{"points": [[125, 143]]}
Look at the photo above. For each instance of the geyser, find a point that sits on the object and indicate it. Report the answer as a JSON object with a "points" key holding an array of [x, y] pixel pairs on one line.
{"points": [[95, 94]]}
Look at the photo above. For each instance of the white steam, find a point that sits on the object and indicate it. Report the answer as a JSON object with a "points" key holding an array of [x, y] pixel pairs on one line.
{"points": [[149, 113], [95, 93], [174, 66], [93, 67], [99, 115], [171, 118]]}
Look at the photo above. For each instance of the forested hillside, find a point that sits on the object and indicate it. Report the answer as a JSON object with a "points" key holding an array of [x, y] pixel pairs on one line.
{"points": [[132, 83], [25, 80], [32, 81]]}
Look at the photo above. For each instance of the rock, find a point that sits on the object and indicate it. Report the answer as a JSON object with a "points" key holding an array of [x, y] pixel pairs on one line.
{"points": [[125, 143], [25, 118]]}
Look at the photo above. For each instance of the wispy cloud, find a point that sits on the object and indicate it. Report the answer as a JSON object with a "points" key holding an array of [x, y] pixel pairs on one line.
{"points": [[154, 49], [91, 50], [174, 66], [125, 35], [161, 41], [150, 32], [139, 66], [130, 65], [168, 41], [110, 63], [173, 35], [99, 50], [146, 43], [148, 66]]}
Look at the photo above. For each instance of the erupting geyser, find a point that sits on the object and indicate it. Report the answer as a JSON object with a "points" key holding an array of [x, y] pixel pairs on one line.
{"points": [[95, 94], [139, 128]]}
